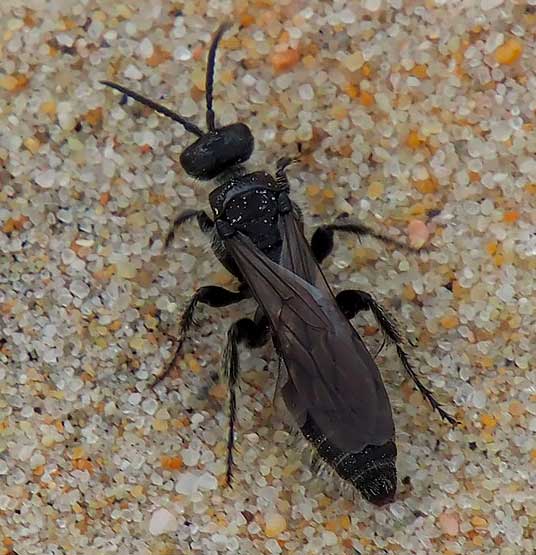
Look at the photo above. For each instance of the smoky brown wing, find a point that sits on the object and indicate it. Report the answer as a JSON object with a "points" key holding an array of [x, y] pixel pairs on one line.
{"points": [[296, 254], [334, 379], [331, 376]]}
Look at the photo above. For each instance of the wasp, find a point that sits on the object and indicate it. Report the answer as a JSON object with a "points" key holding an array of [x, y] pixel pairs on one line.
{"points": [[332, 386]]}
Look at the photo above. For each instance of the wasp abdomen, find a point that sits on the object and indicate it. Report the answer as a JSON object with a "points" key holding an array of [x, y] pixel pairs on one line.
{"points": [[372, 471]]}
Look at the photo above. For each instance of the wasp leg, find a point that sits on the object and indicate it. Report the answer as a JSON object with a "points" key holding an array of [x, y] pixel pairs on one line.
{"points": [[353, 301], [322, 243], [203, 220], [280, 172], [254, 333], [211, 295], [322, 240]]}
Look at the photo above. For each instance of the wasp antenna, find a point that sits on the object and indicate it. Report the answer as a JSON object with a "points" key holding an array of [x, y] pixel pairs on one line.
{"points": [[188, 125], [209, 83]]}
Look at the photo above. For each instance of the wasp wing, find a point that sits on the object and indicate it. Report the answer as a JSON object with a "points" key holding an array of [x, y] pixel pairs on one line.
{"points": [[296, 253], [331, 375]]}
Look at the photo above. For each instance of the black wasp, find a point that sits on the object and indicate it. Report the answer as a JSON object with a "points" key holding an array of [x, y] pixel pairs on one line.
{"points": [[331, 384]]}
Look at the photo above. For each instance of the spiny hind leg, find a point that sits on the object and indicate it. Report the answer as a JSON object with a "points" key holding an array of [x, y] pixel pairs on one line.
{"points": [[254, 334], [352, 301], [211, 295]]}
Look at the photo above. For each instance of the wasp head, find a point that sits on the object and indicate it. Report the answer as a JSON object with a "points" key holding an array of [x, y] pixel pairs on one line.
{"points": [[218, 150]]}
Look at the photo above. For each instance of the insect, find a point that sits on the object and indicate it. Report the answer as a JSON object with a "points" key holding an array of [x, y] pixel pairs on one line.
{"points": [[254, 229]]}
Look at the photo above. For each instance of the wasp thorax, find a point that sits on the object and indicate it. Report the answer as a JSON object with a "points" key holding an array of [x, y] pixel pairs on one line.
{"points": [[217, 151]]}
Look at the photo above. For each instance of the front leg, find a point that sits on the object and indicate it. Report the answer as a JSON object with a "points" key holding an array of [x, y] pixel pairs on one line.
{"points": [[203, 220], [352, 301], [280, 172], [211, 295]]}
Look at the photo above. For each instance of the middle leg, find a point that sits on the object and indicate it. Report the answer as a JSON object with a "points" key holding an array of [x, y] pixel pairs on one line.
{"points": [[352, 301], [211, 295], [322, 240], [254, 333]]}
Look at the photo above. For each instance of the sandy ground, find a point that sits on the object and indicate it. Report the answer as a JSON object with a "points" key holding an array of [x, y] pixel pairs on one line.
{"points": [[415, 118]]}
